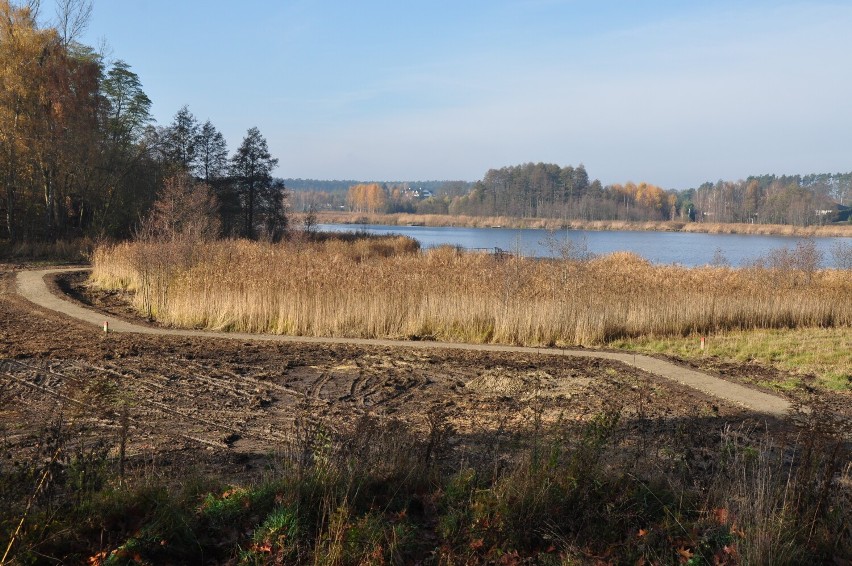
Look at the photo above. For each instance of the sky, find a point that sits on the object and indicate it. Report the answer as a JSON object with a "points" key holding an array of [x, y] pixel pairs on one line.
{"points": [[673, 93]]}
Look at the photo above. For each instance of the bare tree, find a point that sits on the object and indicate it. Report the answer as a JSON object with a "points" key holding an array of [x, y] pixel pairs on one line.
{"points": [[185, 210], [72, 19]]}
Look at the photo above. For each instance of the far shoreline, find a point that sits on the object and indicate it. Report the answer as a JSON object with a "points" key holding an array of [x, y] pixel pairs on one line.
{"points": [[553, 224]]}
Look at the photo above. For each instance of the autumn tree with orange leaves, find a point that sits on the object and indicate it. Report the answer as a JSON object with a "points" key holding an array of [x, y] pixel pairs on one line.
{"points": [[48, 113], [370, 198], [70, 153]]}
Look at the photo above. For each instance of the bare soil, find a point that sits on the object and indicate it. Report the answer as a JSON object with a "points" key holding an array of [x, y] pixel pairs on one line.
{"points": [[224, 406]]}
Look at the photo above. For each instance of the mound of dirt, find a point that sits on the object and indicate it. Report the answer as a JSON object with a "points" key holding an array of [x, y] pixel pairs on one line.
{"points": [[499, 382]]}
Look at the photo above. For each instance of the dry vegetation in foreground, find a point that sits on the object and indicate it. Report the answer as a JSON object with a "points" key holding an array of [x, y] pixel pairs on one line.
{"points": [[404, 219], [377, 492], [386, 288]]}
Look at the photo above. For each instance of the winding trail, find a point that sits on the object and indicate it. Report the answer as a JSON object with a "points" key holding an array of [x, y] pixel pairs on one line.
{"points": [[32, 286]]}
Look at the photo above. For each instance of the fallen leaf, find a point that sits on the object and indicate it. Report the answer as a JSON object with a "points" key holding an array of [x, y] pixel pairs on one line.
{"points": [[97, 559], [264, 548]]}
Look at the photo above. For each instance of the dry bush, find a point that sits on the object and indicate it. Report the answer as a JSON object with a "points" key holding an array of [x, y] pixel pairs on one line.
{"points": [[385, 288], [184, 210], [842, 254]]}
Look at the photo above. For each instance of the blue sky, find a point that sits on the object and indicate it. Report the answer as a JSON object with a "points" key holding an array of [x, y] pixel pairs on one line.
{"points": [[669, 92]]}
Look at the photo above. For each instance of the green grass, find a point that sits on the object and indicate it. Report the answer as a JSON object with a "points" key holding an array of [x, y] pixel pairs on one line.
{"points": [[823, 353]]}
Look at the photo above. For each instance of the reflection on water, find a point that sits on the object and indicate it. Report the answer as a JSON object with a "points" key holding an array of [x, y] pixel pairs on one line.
{"points": [[684, 248]]}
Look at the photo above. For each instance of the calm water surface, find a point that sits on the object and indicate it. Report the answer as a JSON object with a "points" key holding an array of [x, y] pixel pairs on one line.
{"points": [[687, 249]]}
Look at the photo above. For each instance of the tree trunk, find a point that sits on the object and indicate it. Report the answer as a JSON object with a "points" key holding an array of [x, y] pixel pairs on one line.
{"points": [[10, 185], [49, 205], [249, 228]]}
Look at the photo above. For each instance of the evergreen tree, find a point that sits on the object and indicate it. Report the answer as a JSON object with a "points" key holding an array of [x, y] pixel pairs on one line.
{"points": [[180, 142], [261, 199], [212, 153]]}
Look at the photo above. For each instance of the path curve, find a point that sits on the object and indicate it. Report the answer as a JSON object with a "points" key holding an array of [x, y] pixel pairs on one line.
{"points": [[32, 286]]}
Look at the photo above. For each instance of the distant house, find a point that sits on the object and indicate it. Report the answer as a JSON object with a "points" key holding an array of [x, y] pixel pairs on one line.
{"points": [[837, 213], [418, 193]]}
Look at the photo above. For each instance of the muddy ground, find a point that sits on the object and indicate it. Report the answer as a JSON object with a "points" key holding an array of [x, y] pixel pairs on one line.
{"points": [[225, 406]]}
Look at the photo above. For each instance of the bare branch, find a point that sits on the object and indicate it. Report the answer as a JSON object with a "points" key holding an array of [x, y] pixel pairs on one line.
{"points": [[72, 18]]}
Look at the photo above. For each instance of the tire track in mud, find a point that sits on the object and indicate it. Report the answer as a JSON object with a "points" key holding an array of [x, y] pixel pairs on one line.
{"points": [[31, 285], [52, 383], [113, 417], [318, 384]]}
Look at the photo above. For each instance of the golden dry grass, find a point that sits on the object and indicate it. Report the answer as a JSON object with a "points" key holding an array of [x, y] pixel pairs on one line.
{"points": [[439, 220], [387, 288]]}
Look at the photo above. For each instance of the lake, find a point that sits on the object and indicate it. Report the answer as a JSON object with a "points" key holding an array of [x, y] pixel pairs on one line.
{"points": [[689, 249]]}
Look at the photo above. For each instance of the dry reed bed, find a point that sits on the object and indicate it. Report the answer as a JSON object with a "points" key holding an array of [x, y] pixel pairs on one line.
{"points": [[443, 220], [389, 289]]}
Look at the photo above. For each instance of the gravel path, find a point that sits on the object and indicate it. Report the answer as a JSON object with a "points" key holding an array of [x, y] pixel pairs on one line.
{"points": [[32, 286]]}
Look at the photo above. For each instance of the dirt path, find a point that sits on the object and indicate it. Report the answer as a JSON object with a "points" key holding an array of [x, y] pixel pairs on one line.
{"points": [[32, 286]]}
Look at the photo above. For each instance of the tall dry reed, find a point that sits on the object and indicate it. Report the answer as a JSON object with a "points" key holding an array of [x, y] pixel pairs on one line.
{"points": [[388, 288]]}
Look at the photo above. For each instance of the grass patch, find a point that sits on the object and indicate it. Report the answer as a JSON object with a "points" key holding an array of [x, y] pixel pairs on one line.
{"points": [[805, 353]]}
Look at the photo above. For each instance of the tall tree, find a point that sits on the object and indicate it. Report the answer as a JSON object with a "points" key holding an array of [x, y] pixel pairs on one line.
{"points": [[262, 201], [127, 107], [212, 153], [72, 153], [48, 118], [127, 177], [67, 128], [180, 142], [20, 46], [369, 197]]}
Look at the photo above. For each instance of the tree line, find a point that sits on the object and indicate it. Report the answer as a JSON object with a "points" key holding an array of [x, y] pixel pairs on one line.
{"points": [[80, 154], [799, 200], [532, 190], [545, 190]]}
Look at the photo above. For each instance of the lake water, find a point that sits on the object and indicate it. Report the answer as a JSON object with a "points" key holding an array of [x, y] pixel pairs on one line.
{"points": [[689, 249]]}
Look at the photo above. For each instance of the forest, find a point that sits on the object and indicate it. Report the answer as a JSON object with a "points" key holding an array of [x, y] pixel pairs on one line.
{"points": [[80, 154]]}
